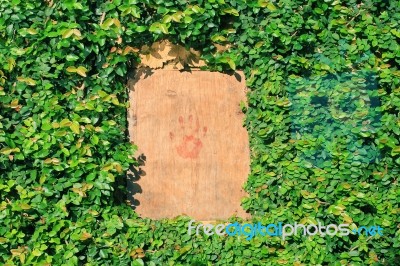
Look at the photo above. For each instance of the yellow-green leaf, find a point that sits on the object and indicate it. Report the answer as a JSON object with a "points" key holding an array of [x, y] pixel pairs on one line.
{"points": [[77, 32], [231, 11], [107, 23], [263, 3], [67, 33], [395, 33], [65, 123], [158, 27], [18, 51], [107, 167], [32, 31], [271, 7], [177, 16], [85, 236], [218, 38], [28, 81], [71, 69], [7, 151], [14, 103], [346, 185], [22, 258], [24, 206], [75, 127], [36, 253], [115, 101], [231, 63], [81, 71], [325, 67], [396, 150], [42, 179]]}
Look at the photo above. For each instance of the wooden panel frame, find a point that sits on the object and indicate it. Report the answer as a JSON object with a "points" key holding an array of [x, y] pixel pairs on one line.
{"points": [[189, 128]]}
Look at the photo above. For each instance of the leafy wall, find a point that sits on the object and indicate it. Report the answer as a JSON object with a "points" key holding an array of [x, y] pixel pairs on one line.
{"points": [[64, 149]]}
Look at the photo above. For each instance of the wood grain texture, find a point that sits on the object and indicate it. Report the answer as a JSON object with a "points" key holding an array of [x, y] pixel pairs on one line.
{"points": [[190, 128]]}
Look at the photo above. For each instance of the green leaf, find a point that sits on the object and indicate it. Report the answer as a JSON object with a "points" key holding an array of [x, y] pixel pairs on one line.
{"points": [[72, 58], [138, 262], [94, 140]]}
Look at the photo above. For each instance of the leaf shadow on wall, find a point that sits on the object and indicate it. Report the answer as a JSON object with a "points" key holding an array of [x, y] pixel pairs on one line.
{"points": [[133, 176]]}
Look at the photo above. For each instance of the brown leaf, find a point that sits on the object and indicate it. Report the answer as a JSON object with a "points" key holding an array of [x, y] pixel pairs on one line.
{"points": [[129, 49], [119, 40], [222, 48]]}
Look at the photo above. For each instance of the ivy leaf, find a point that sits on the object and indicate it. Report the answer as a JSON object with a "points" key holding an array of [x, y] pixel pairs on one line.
{"points": [[218, 38], [85, 236], [32, 31], [231, 63], [67, 33], [197, 9], [7, 151], [177, 16], [107, 24], [158, 28], [81, 71], [71, 69], [396, 150], [65, 123], [72, 58], [231, 11], [75, 127], [271, 7], [28, 81], [24, 206], [263, 3]]}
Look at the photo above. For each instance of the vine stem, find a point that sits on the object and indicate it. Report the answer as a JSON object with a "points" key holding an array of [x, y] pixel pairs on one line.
{"points": [[353, 248], [102, 17]]}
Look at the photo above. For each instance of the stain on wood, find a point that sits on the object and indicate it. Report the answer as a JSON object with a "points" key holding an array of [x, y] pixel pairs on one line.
{"points": [[196, 150]]}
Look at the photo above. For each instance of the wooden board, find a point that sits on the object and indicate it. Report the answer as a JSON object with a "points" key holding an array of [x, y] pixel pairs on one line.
{"points": [[189, 127]]}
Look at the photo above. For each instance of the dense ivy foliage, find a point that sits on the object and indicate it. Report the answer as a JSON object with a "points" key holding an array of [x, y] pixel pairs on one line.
{"points": [[64, 150]]}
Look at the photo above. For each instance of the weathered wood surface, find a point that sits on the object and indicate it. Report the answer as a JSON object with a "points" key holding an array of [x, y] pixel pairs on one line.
{"points": [[189, 126]]}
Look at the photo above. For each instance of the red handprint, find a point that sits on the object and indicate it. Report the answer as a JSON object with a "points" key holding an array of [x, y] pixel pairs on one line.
{"points": [[190, 143]]}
